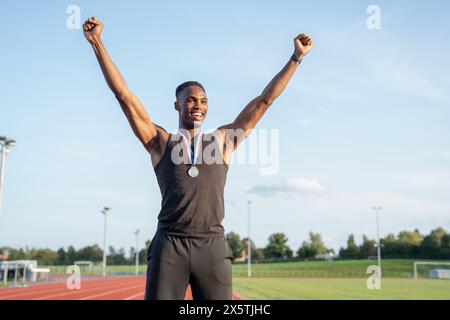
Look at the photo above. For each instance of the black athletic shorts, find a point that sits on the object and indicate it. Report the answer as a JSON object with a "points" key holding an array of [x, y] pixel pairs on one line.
{"points": [[174, 262]]}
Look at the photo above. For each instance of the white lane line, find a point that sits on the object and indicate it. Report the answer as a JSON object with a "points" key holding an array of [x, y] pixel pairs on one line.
{"points": [[77, 292], [51, 288], [39, 290], [134, 296], [110, 292]]}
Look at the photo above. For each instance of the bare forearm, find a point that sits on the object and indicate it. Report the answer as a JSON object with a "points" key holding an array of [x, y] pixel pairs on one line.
{"points": [[112, 75], [140, 122], [255, 109], [279, 82], [253, 112]]}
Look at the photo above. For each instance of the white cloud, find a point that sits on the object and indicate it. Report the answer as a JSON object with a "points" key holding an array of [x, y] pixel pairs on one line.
{"points": [[289, 188]]}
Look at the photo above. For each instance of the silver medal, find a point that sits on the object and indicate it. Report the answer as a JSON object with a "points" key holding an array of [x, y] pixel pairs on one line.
{"points": [[193, 172]]}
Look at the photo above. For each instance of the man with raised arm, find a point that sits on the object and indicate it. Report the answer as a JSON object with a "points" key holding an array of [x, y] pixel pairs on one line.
{"points": [[189, 247]]}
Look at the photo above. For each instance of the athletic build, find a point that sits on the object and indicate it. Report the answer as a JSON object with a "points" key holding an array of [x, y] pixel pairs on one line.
{"points": [[189, 246]]}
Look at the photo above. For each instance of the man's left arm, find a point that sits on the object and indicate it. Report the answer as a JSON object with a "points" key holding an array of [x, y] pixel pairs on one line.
{"points": [[238, 130]]}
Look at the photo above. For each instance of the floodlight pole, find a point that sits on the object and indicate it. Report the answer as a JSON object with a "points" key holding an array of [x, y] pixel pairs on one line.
{"points": [[5, 265], [137, 251], [105, 213], [5, 144], [377, 211], [249, 245]]}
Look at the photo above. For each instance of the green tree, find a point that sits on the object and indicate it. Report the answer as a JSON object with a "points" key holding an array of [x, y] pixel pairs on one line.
{"points": [[289, 253], [235, 243], [121, 259], [368, 248], [277, 247], [445, 246], [317, 244], [351, 252], [410, 237], [112, 251], [431, 244], [116, 257], [61, 256], [256, 255], [144, 252], [392, 248], [71, 255], [305, 251], [15, 254], [405, 245], [43, 256], [90, 253], [313, 247]]}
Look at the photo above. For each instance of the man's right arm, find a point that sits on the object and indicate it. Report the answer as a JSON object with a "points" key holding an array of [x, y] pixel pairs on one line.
{"points": [[145, 130]]}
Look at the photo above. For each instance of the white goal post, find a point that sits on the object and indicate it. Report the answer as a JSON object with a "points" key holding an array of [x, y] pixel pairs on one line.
{"points": [[432, 263], [84, 263], [85, 266]]}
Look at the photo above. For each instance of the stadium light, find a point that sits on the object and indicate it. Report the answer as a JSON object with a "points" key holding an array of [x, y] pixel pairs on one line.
{"points": [[377, 210], [5, 144], [137, 251], [249, 245], [105, 213]]}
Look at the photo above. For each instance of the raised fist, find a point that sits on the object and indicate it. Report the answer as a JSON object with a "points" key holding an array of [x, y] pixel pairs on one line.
{"points": [[92, 29], [303, 44]]}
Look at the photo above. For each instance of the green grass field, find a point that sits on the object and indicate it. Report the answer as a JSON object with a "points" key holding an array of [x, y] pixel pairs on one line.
{"points": [[315, 269], [342, 268], [339, 289], [336, 280], [320, 280]]}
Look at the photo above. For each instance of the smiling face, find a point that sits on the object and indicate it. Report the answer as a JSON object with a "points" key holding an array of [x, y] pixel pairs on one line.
{"points": [[192, 106]]}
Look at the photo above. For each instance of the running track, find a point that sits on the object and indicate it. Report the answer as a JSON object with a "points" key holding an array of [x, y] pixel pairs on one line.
{"points": [[120, 288]]}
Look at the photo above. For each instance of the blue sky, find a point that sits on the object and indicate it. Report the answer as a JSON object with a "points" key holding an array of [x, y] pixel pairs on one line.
{"points": [[364, 119]]}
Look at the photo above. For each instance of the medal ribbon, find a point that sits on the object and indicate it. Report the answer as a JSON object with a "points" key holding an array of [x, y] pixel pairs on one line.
{"points": [[192, 157]]}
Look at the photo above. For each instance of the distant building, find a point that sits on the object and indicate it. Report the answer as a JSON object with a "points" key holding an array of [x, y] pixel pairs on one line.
{"points": [[440, 274], [326, 256], [242, 257]]}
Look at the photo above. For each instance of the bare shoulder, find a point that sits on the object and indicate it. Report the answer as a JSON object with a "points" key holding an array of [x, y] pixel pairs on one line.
{"points": [[219, 132], [157, 145], [221, 137]]}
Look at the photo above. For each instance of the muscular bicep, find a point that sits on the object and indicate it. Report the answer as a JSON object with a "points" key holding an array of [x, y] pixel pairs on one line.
{"points": [[143, 127], [229, 137], [251, 114], [234, 133]]}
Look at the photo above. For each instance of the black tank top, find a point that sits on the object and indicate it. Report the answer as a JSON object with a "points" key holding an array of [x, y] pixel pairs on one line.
{"points": [[191, 207]]}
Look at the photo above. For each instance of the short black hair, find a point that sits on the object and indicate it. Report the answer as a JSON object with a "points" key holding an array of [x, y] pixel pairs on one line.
{"points": [[188, 84]]}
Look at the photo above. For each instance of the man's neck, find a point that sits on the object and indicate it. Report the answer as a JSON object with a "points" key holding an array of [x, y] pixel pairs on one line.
{"points": [[190, 133]]}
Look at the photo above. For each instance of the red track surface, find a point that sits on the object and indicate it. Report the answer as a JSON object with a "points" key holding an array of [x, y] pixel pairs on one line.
{"points": [[123, 288]]}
